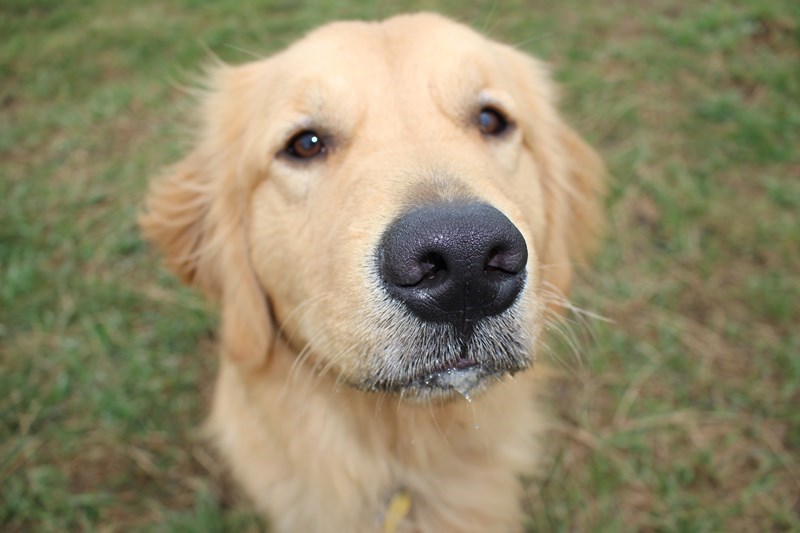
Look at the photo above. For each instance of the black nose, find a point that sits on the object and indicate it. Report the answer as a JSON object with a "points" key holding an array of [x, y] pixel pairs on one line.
{"points": [[453, 262]]}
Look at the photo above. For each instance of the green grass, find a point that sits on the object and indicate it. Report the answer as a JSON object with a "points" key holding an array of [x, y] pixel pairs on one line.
{"points": [[681, 414]]}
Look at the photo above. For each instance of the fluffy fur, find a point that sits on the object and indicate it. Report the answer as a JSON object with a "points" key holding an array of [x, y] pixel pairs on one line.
{"points": [[286, 247]]}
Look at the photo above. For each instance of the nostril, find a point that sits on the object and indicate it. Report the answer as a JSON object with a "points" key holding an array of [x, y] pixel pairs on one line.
{"points": [[432, 264], [501, 259], [428, 267], [494, 261]]}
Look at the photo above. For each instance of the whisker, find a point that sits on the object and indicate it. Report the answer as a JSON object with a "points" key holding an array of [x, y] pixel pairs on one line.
{"points": [[521, 45], [300, 360], [250, 53], [566, 327], [303, 307]]}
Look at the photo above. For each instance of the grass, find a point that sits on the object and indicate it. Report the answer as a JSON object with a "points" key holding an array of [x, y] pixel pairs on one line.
{"points": [[681, 413]]}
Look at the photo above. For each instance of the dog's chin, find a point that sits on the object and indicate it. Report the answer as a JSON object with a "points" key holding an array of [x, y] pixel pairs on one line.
{"points": [[466, 380], [433, 362], [463, 380]]}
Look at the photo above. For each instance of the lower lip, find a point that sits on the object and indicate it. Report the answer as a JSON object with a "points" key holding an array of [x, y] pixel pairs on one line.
{"points": [[461, 379], [462, 364]]}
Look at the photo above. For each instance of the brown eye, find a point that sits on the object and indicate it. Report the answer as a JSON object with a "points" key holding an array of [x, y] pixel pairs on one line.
{"points": [[491, 121], [305, 145]]}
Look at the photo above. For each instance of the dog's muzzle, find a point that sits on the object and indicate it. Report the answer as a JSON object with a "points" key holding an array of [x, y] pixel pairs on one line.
{"points": [[454, 264]]}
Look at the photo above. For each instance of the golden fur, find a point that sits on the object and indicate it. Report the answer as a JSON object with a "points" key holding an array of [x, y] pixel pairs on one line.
{"points": [[282, 245]]}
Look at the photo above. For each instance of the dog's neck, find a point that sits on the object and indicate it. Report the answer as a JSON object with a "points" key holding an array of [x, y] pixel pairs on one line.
{"points": [[372, 452]]}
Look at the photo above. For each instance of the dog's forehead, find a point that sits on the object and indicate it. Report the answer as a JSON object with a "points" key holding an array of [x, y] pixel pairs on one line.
{"points": [[407, 47], [411, 37], [414, 63]]}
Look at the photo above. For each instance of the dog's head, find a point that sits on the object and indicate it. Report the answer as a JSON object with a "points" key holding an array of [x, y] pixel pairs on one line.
{"points": [[392, 198]]}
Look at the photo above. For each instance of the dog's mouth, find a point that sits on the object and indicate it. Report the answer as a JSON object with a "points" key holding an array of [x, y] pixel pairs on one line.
{"points": [[423, 361], [466, 378]]}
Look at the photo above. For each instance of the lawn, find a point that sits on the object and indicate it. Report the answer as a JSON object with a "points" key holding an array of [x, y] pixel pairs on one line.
{"points": [[677, 410]]}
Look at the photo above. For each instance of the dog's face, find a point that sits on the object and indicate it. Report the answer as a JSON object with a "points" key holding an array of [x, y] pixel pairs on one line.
{"points": [[397, 198]]}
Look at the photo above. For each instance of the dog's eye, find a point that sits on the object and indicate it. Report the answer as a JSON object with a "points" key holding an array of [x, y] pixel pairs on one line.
{"points": [[305, 145], [491, 121]]}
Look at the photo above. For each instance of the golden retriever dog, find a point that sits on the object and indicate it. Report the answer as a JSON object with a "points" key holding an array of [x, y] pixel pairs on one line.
{"points": [[383, 211]]}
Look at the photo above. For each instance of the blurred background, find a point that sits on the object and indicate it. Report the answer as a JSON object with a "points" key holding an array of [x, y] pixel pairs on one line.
{"points": [[678, 409]]}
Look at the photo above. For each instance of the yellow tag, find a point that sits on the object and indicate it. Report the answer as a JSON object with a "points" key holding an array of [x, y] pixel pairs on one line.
{"points": [[398, 509]]}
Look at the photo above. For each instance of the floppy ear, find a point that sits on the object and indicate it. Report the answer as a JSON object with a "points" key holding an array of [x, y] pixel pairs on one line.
{"points": [[176, 209], [196, 216], [572, 176]]}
